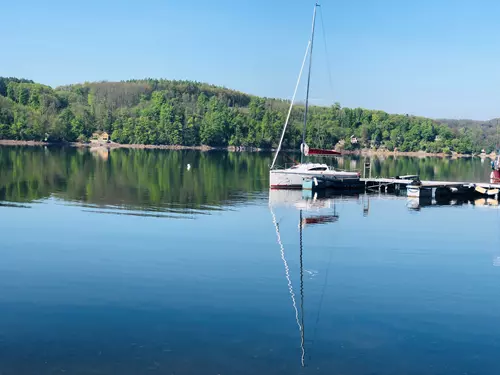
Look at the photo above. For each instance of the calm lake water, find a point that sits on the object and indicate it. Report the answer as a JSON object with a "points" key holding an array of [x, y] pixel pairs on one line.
{"points": [[132, 263]]}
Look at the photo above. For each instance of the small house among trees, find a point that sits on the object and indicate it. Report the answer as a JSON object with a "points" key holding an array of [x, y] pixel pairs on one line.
{"points": [[100, 137]]}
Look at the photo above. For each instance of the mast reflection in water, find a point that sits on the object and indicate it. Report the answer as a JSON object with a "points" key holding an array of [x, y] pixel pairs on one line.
{"points": [[312, 210]]}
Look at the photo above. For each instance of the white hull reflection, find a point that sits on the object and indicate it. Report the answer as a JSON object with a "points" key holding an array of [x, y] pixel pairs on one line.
{"points": [[297, 199]]}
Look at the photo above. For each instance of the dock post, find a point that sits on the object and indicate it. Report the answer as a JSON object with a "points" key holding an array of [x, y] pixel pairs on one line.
{"points": [[365, 167]]}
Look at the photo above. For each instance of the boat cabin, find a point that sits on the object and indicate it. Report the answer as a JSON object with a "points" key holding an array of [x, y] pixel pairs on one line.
{"points": [[310, 167]]}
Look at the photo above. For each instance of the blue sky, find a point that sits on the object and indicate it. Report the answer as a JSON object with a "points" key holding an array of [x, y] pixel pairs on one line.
{"points": [[436, 58]]}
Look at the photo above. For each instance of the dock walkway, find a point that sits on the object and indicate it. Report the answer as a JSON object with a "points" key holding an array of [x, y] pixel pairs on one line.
{"points": [[414, 186], [426, 184], [417, 188]]}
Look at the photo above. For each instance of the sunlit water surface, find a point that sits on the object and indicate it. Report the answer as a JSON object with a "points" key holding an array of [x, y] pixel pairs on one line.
{"points": [[128, 262]]}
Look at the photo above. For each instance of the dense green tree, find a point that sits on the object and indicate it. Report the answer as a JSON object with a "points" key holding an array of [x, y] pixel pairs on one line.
{"points": [[62, 128], [23, 94]]}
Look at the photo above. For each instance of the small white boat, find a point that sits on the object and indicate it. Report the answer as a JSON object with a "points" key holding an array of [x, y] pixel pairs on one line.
{"points": [[292, 178], [418, 191]]}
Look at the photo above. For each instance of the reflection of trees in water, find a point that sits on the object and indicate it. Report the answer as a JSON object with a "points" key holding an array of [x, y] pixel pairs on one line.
{"points": [[428, 168], [135, 178], [159, 178]]}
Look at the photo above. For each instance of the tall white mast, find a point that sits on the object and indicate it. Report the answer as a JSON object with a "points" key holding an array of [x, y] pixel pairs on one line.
{"points": [[311, 45]]}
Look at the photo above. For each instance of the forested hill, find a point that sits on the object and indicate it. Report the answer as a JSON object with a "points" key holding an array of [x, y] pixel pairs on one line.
{"points": [[152, 111], [485, 133]]}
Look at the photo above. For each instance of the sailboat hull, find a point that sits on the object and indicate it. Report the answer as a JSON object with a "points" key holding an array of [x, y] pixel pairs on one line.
{"points": [[293, 179]]}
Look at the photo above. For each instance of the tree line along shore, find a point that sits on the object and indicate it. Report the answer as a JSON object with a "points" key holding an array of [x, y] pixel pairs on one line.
{"points": [[205, 148], [157, 113]]}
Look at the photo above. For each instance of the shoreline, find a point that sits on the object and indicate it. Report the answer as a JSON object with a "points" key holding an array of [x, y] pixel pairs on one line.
{"points": [[416, 154], [112, 145]]}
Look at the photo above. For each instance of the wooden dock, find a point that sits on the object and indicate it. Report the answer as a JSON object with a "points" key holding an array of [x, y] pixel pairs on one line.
{"points": [[375, 182], [416, 188]]}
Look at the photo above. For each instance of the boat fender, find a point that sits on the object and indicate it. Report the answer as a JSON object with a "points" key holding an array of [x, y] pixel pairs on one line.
{"points": [[305, 149]]}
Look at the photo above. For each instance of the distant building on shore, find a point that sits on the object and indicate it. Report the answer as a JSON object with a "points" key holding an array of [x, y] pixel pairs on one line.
{"points": [[100, 137]]}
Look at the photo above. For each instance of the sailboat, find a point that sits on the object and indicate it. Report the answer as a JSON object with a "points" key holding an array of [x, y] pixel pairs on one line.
{"points": [[292, 177]]}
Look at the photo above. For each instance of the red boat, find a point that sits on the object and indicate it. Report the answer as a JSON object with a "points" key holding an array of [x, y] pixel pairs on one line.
{"points": [[318, 151], [495, 176], [495, 173]]}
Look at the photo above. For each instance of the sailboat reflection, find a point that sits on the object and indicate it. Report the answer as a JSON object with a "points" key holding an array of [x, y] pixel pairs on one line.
{"points": [[319, 219], [312, 211]]}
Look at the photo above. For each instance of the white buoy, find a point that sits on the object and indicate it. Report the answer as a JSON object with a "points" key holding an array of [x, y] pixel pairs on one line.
{"points": [[188, 167]]}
